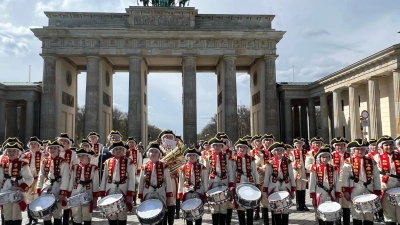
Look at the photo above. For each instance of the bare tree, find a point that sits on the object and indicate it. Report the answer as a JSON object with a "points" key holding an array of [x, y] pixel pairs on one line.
{"points": [[152, 132], [209, 130], [120, 122], [80, 124], [243, 120]]}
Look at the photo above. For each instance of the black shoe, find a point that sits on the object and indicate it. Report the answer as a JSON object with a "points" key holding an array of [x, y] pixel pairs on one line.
{"points": [[256, 215]]}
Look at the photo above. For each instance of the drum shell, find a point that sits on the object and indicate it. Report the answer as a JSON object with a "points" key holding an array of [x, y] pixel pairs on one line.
{"points": [[43, 213], [220, 197], [329, 216], [111, 209], [78, 200], [393, 195], [153, 220], [10, 197], [281, 204], [364, 207], [193, 214], [247, 204]]}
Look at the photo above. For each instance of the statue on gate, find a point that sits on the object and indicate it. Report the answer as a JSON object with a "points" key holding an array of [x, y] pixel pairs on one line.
{"points": [[164, 3]]}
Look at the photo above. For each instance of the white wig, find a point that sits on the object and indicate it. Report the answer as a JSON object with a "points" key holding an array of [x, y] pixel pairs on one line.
{"points": [[380, 144], [148, 152]]}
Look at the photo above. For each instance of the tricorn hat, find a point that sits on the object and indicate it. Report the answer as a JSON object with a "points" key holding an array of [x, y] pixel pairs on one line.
{"points": [[54, 143], [153, 145], [242, 142], [358, 143], [34, 139], [191, 151], [204, 143], [268, 136], [298, 139], [275, 146], [164, 132], [372, 140], [247, 137], [10, 145], [337, 140], [85, 141], [325, 149], [221, 135], [81, 151], [256, 137], [130, 139], [215, 140], [12, 140], [93, 134], [316, 138], [383, 139], [288, 146]]}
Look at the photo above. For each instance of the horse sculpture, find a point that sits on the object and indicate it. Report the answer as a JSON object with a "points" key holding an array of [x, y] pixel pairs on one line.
{"points": [[164, 3]]}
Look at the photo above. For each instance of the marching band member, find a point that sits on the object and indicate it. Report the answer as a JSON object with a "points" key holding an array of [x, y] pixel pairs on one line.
{"points": [[44, 148], [156, 180], [192, 180], [33, 157], [261, 158], [70, 156], [279, 177], [119, 178], [316, 143], [114, 136], [360, 175], [339, 156], [136, 156], [298, 157], [267, 140], [168, 135], [388, 162], [84, 178], [373, 150], [54, 176], [245, 170], [86, 145], [15, 176], [97, 147], [220, 172], [324, 180], [248, 139], [397, 143], [229, 152], [205, 153]]}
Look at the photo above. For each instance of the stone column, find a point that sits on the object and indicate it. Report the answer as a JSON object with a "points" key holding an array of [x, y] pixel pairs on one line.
{"points": [[135, 97], [324, 117], [230, 97], [311, 118], [337, 113], [271, 100], [288, 120], [12, 126], [22, 122], [189, 99], [296, 120], [355, 131], [29, 121], [49, 100], [374, 108], [303, 120], [396, 97], [92, 101], [2, 119]]}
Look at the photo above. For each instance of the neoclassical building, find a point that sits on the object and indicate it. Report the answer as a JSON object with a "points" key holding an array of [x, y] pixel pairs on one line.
{"points": [[156, 39]]}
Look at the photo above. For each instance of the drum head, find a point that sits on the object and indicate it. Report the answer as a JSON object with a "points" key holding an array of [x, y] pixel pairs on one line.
{"points": [[365, 198], [278, 195], [110, 199], [191, 204], [216, 190], [150, 208], [248, 192], [393, 190], [43, 202], [329, 207]]}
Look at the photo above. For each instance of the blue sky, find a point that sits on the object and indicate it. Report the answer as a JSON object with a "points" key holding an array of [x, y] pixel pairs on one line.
{"points": [[322, 37]]}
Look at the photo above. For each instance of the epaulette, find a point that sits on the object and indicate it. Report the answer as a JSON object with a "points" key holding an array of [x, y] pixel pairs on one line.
{"points": [[347, 160], [314, 168]]}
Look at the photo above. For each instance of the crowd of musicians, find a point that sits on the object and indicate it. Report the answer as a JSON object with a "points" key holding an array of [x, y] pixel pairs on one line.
{"points": [[335, 172]]}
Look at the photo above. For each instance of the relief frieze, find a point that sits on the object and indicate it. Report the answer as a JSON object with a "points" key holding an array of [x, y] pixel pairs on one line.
{"points": [[161, 20]]}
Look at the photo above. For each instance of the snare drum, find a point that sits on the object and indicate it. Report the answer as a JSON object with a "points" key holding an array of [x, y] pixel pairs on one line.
{"points": [[330, 211], [192, 209], [111, 205], [150, 212], [280, 201], [248, 195], [43, 207], [367, 203], [10, 196], [78, 200], [393, 196], [218, 195]]}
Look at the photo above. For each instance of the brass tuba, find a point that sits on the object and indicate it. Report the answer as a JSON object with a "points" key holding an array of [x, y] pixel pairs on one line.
{"points": [[175, 157]]}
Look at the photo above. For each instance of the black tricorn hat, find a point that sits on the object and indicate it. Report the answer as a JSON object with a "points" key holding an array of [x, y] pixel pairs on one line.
{"points": [[12, 140], [276, 145], [338, 140], [112, 132], [299, 139], [323, 150], [384, 139], [130, 139], [117, 144], [316, 138], [85, 141], [191, 151], [153, 145], [34, 139], [288, 146], [164, 132], [268, 136], [358, 143], [204, 143], [255, 137], [247, 137], [65, 135], [215, 140], [242, 142], [54, 143], [372, 140], [13, 145], [80, 151], [221, 135], [93, 134]]}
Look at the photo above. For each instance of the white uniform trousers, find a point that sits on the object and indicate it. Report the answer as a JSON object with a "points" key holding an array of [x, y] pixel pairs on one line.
{"points": [[344, 203], [300, 185], [390, 212], [81, 213], [12, 211]]}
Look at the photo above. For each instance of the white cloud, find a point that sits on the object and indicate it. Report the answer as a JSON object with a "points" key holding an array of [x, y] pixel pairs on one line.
{"points": [[12, 46], [314, 32]]}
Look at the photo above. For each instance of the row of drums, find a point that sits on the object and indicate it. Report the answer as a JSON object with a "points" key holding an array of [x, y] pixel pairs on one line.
{"points": [[247, 196]]}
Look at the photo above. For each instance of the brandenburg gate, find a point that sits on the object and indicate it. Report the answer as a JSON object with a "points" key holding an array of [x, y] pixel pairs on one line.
{"points": [[156, 39]]}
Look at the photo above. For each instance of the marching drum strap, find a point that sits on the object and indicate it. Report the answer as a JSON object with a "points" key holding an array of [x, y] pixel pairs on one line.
{"points": [[325, 189], [52, 181], [84, 182], [390, 175], [358, 180], [118, 182]]}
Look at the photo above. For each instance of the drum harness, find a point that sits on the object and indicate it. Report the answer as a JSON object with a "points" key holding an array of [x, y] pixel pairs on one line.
{"points": [[56, 179], [15, 179], [329, 191], [353, 177]]}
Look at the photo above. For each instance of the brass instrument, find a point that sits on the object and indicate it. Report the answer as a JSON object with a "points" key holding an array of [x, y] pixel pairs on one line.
{"points": [[175, 157]]}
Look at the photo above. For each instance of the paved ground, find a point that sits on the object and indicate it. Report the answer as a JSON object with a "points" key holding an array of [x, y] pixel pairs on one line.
{"points": [[301, 218]]}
